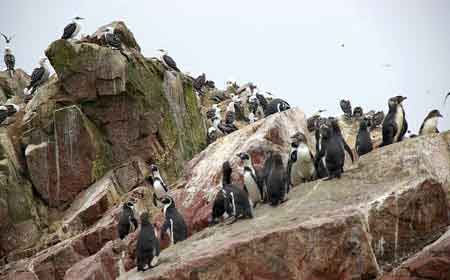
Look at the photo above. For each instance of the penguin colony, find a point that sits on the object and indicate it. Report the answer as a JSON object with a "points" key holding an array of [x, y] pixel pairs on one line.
{"points": [[270, 184]]}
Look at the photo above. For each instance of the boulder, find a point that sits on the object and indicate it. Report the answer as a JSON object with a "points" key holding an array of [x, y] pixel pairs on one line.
{"points": [[433, 262], [13, 87]]}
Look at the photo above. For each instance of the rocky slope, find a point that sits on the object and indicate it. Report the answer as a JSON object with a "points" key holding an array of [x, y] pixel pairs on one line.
{"points": [[82, 145]]}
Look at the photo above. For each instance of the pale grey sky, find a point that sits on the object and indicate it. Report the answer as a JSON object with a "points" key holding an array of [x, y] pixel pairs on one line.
{"points": [[291, 48]]}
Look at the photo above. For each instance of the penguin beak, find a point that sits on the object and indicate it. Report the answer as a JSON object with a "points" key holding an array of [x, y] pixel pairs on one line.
{"points": [[439, 115], [402, 98]]}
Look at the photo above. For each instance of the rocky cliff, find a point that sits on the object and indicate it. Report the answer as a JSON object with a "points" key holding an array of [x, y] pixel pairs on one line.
{"points": [[82, 145]]}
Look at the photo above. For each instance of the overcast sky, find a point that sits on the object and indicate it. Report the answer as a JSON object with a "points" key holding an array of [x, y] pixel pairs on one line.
{"points": [[291, 48]]}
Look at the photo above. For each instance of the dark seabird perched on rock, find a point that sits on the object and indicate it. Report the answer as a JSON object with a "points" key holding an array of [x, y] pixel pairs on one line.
{"points": [[7, 110], [38, 77], [72, 29], [10, 61], [113, 41], [346, 107], [228, 126], [168, 61], [358, 112], [199, 82], [429, 125]]}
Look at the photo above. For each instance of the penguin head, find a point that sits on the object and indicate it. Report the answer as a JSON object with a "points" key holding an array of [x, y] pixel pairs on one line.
{"points": [[162, 51], [211, 130], [145, 218], [297, 138], [42, 61], [244, 156], [434, 114], [229, 117], [325, 130], [154, 169], [364, 123], [396, 100], [358, 112], [129, 204], [168, 202]]}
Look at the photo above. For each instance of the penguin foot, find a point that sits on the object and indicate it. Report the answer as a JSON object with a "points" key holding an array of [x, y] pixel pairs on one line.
{"points": [[233, 221]]}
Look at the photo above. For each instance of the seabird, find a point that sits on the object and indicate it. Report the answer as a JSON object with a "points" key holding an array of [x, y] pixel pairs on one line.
{"points": [[7, 39], [38, 77], [168, 61], [111, 39], [199, 82], [10, 61], [7, 110], [72, 29], [346, 107]]}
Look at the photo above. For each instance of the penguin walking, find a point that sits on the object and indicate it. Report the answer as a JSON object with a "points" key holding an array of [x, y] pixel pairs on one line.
{"points": [[363, 140], [147, 247], [174, 224], [160, 188], [237, 201], [429, 125], [252, 184], [127, 220], [277, 187], [301, 161], [332, 151], [395, 125]]}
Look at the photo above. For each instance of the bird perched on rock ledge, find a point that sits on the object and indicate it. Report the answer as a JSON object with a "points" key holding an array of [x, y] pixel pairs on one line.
{"points": [[168, 61], [72, 29]]}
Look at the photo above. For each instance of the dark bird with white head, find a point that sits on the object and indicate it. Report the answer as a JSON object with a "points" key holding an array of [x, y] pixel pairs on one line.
{"points": [[72, 29], [38, 77], [10, 61], [167, 60]]}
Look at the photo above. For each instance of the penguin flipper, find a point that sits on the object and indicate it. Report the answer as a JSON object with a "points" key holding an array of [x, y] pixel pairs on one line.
{"points": [[404, 130], [389, 134]]}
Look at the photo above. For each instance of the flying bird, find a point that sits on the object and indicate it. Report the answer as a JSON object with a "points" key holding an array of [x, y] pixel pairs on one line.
{"points": [[7, 39], [72, 29], [168, 61]]}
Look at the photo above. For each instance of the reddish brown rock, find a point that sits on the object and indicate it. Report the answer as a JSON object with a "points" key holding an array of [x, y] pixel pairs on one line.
{"points": [[433, 262]]}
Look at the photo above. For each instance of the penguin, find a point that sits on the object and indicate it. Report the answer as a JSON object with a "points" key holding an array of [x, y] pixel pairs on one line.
{"points": [[252, 185], [198, 83], [301, 161], [10, 61], [7, 110], [160, 188], [394, 124], [321, 171], [334, 124], [174, 224], [228, 126], [363, 140], [276, 181], [358, 113], [346, 107], [212, 135], [237, 201], [219, 208], [429, 125], [332, 151], [127, 221], [147, 246], [275, 106]]}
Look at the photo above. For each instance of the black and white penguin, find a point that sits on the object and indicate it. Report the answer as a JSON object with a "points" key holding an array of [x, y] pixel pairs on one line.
{"points": [[160, 188], [174, 225], [10, 61], [72, 29], [252, 184], [198, 83], [429, 125], [394, 124], [211, 135], [275, 106], [301, 161], [363, 140], [38, 77], [168, 61], [127, 220], [332, 151], [227, 126], [358, 113], [237, 201], [147, 246], [346, 107], [334, 124], [277, 187]]}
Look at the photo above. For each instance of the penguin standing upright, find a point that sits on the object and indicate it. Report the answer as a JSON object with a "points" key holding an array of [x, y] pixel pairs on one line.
{"points": [[363, 140], [337, 131], [394, 124], [333, 152], [301, 161], [147, 246], [127, 220], [252, 184], [429, 125], [174, 224], [159, 186], [236, 200], [277, 187]]}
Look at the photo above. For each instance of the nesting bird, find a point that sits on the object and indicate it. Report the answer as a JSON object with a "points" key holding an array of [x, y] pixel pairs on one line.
{"points": [[10, 61], [429, 125], [168, 61], [72, 29], [38, 77]]}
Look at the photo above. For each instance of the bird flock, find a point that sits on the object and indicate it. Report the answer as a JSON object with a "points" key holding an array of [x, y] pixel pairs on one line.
{"points": [[247, 104]]}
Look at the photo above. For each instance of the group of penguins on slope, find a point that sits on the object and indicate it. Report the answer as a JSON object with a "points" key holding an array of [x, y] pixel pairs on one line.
{"points": [[273, 182]]}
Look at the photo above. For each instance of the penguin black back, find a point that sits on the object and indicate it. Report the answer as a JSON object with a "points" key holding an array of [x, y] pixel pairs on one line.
{"points": [[126, 220], [174, 223], [277, 181], [147, 247], [363, 140], [333, 151]]}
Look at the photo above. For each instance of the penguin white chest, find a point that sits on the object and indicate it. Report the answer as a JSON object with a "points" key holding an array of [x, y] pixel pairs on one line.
{"points": [[399, 117], [305, 164], [159, 189], [77, 30], [429, 126], [251, 186]]}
